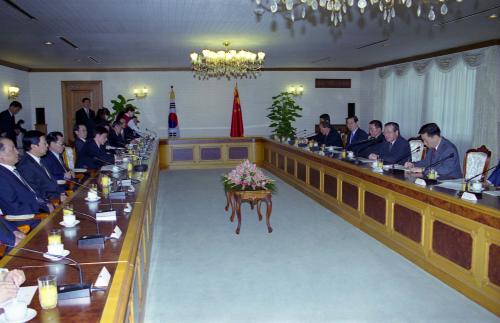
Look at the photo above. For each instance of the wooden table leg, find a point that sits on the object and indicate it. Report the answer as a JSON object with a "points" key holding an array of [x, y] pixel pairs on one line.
{"points": [[227, 201], [269, 209], [258, 209], [238, 212]]}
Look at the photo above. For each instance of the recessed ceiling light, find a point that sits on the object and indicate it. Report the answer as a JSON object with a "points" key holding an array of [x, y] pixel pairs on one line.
{"points": [[493, 16], [48, 43]]}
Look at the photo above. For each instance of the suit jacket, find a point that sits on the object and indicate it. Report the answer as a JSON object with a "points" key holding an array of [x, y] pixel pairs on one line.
{"points": [[375, 147], [449, 168], [359, 135], [44, 185], [94, 157], [15, 197], [7, 124], [54, 166], [130, 134], [495, 176], [332, 139], [116, 140], [81, 117], [6, 232], [79, 145], [396, 153]]}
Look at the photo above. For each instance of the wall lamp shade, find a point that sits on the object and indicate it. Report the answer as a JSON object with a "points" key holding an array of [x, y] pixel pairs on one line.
{"points": [[12, 92], [141, 93], [296, 90]]}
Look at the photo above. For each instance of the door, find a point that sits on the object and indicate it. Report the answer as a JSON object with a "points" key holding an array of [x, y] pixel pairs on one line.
{"points": [[72, 94]]}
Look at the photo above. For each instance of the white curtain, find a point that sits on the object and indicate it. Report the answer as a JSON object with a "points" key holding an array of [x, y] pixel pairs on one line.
{"points": [[459, 92], [449, 102]]}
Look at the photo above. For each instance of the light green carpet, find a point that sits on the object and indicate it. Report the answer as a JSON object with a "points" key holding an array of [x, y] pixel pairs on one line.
{"points": [[314, 267]]}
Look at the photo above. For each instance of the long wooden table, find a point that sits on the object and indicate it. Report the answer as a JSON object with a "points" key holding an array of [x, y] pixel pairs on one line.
{"points": [[127, 259], [455, 240]]}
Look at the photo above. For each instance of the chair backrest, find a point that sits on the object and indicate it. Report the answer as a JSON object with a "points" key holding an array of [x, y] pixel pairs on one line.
{"points": [[417, 155], [476, 161], [69, 156]]}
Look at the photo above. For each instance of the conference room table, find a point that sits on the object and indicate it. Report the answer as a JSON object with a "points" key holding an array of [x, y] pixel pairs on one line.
{"points": [[456, 240], [126, 258]]}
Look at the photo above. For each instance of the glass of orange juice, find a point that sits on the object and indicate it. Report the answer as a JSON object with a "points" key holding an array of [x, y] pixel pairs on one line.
{"points": [[47, 292], [55, 236]]}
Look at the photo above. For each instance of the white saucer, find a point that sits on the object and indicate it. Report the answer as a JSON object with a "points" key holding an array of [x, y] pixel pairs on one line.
{"points": [[69, 226], [80, 170], [53, 258], [377, 170], [89, 200], [30, 314]]}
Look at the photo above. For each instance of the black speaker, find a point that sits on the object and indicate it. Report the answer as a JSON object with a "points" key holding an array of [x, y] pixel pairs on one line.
{"points": [[351, 110], [40, 115]]}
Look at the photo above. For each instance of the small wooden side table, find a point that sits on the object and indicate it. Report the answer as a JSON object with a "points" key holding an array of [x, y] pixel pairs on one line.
{"points": [[235, 198]]}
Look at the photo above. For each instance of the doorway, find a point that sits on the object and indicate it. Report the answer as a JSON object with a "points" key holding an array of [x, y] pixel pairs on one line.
{"points": [[72, 94]]}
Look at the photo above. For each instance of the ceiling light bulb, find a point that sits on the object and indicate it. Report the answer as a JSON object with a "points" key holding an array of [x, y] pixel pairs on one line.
{"points": [[257, 2], [431, 15], [322, 3], [303, 12], [274, 7], [362, 4], [289, 4], [444, 9], [408, 3]]}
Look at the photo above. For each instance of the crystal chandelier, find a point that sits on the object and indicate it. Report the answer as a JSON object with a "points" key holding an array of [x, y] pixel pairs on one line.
{"points": [[228, 63], [338, 8]]}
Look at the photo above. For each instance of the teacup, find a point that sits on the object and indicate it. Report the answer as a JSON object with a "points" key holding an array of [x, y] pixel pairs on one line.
{"points": [[15, 310], [477, 186], [69, 219], [92, 195], [55, 249]]}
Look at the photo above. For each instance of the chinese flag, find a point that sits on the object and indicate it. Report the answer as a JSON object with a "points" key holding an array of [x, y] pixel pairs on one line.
{"points": [[237, 118]]}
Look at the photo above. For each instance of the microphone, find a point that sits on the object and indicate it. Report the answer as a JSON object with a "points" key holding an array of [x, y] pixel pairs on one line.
{"points": [[91, 240], [122, 168], [151, 131], [369, 140], [98, 191], [407, 156], [71, 291], [477, 175], [440, 161]]}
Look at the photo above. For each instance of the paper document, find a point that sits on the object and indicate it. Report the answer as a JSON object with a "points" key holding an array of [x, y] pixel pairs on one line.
{"points": [[492, 193], [26, 293]]}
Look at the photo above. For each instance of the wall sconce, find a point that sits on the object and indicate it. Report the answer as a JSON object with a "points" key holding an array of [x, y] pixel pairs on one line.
{"points": [[141, 93], [296, 90], [12, 92]]}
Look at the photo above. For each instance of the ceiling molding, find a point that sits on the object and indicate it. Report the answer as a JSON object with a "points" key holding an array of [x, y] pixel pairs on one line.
{"points": [[448, 51], [492, 42]]}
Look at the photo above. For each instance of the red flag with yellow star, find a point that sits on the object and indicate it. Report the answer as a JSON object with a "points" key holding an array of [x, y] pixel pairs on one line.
{"points": [[237, 117]]}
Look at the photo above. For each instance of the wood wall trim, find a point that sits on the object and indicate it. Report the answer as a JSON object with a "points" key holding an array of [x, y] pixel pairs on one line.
{"points": [[488, 43]]}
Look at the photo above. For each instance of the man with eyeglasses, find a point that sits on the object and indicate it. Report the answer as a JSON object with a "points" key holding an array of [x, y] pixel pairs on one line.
{"points": [[395, 149], [54, 161]]}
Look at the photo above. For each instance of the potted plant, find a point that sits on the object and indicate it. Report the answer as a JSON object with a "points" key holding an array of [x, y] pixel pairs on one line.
{"points": [[284, 112], [121, 104]]}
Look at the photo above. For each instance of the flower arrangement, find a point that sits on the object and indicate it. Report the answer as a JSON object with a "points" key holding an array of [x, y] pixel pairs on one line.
{"points": [[247, 177]]}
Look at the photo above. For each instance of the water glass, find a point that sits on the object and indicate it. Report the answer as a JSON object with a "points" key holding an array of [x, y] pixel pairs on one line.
{"points": [[47, 292]]}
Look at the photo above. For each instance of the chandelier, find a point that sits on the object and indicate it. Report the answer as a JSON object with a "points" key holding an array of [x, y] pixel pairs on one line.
{"points": [[228, 63], [338, 8]]}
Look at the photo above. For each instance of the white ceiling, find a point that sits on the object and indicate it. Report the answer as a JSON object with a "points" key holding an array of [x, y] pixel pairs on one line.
{"points": [[162, 33]]}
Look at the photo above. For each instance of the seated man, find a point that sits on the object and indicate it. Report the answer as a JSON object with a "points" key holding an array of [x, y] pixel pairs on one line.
{"points": [[375, 130], [80, 132], [439, 149], [116, 137], [355, 135], [495, 176], [53, 160], [94, 153], [16, 195], [395, 149], [32, 169], [327, 135]]}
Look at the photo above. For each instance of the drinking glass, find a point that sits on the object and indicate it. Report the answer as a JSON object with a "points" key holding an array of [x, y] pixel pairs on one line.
{"points": [[47, 292], [55, 236]]}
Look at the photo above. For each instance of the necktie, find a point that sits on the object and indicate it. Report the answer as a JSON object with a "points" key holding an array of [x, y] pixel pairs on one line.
{"points": [[390, 146], [350, 139], [61, 161]]}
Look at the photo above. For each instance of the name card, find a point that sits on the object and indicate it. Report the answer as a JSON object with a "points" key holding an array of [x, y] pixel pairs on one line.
{"points": [[420, 182], [469, 197], [106, 216], [117, 233], [126, 182], [103, 278]]}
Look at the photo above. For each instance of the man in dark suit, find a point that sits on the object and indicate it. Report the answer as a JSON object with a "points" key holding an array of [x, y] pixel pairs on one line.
{"points": [[327, 135], [355, 135], [495, 176], [32, 169], [375, 131], [85, 115], [16, 195], [8, 121], [80, 133], [53, 160], [94, 153], [116, 137], [395, 149], [439, 148]]}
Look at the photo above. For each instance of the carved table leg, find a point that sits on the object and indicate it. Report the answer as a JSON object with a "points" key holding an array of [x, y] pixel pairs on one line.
{"points": [[232, 203], [269, 209], [238, 213], [227, 201], [259, 203]]}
